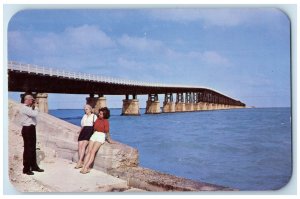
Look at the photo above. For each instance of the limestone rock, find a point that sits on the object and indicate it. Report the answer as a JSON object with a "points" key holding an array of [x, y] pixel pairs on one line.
{"points": [[150, 180]]}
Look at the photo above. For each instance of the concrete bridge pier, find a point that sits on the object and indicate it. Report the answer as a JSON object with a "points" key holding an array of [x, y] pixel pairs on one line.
{"points": [[189, 106], [131, 106], [221, 106], [197, 107], [169, 105], [196, 102], [153, 106], [179, 105], [41, 100], [200, 106], [218, 106], [226, 106], [214, 106], [96, 102], [209, 106]]}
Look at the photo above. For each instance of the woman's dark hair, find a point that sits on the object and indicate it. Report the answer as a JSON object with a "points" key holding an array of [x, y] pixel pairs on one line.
{"points": [[106, 112]]}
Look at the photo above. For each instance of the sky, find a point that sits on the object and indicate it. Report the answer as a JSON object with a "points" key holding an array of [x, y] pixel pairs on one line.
{"points": [[243, 53]]}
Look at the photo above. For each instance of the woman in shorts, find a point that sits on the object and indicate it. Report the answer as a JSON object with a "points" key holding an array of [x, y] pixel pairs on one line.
{"points": [[87, 123], [101, 129]]}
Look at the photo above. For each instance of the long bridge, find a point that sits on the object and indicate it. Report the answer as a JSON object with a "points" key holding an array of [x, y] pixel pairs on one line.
{"points": [[40, 80]]}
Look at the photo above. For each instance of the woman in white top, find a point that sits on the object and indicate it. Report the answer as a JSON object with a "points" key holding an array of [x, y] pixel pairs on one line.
{"points": [[87, 129]]}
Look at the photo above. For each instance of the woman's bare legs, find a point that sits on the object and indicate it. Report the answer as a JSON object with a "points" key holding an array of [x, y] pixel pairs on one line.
{"points": [[87, 152], [81, 151], [90, 157]]}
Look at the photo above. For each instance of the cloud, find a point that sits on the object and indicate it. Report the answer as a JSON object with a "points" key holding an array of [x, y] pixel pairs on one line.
{"points": [[145, 70], [17, 41], [217, 17], [75, 46], [73, 39], [141, 43], [47, 44], [226, 17], [213, 57], [87, 36]]}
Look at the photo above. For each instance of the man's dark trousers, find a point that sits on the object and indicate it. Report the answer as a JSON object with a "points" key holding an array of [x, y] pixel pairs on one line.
{"points": [[29, 154]]}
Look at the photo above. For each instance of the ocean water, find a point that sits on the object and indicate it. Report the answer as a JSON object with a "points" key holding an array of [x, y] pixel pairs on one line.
{"points": [[246, 149]]}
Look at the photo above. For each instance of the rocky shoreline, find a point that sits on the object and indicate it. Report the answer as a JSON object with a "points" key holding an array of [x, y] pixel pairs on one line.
{"points": [[57, 142]]}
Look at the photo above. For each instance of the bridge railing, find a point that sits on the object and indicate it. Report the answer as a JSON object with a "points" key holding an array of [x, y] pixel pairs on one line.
{"points": [[29, 68]]}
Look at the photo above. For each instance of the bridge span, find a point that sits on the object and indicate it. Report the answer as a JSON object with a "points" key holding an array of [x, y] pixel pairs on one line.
{"points": [[39, 80]]}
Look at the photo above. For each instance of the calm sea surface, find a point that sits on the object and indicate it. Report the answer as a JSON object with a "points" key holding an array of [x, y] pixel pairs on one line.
{"points": [[247, 149]]}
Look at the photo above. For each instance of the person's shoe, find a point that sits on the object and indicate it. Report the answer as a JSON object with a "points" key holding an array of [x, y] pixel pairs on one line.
{"points": [[28, 172], [78, 166], [38, 170], [84, 171]]}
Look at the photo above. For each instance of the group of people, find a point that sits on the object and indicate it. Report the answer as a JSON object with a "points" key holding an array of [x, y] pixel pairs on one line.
{"points": [[94, 132]]}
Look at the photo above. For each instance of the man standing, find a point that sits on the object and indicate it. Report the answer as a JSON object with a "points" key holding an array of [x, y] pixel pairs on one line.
{"points": [[28, 114]]}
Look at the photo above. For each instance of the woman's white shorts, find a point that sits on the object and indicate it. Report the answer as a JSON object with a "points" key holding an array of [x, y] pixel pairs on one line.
{"points": [[98, 137]]}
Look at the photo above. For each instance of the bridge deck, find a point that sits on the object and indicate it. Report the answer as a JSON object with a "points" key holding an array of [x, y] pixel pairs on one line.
{"points": [[25, 77]]}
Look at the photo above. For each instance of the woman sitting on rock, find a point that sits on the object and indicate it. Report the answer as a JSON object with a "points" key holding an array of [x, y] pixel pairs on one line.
{"points": [[101, 131], [87, 123]]}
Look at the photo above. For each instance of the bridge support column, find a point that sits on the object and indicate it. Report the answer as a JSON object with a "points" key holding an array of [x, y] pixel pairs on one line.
{"points": [[179, 105], [197, 107], [209, 106], [153, 106], [41, 100], [214, 106], [195, 102], [206, 106], [189, 107], [222, 107], [200, 106], [169, 105], [96, 102], [188, 102], [131, 106]]}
